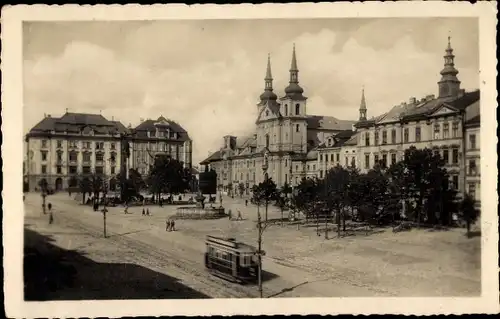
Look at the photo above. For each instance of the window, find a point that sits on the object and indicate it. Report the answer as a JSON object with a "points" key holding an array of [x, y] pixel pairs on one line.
{"points": [[320, 157], [384, 160], [44, 156], [296, 167], [44, 169], [73, 144], [418, 135], [297, 128], [376, 137], [437, 130], [267, 112], [297, 109], [241, 176], [99, 157], [367, 160], [59, 157], [454, 129], [455, 156], [472, 141], [308, 167], [286, 109], [59, 169], [338, 157], [454, 182], [353, 162], [86, 157], [406, 135], [99, 170], [367, 139], [472, 167], [393, 136], [86, 170], [72, 170], [99, 145], [286, 162], [472, 190], [59, 144], [346, 161], [375, 158], [446, 130], [393, 159], [326, 158], [112, 169], [286, 178], [384, 137], [320, 174], [44, 143], [267, 140], [113, 145], [314, 167], [446, 156]]}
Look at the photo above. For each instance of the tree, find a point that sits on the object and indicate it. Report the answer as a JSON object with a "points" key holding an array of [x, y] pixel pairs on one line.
{"points": [[265, 193], [335, 193], [281, 202], [85, 186], [241, 188], [305, 197], [167, 175], [468, 211], [424, 177]]}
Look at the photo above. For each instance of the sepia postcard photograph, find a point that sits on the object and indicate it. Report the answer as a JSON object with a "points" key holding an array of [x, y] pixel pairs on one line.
{"points": [[201, 160]]}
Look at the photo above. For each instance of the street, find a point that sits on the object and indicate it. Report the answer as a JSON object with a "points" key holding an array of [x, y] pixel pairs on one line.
{"points": [[298, 263]]}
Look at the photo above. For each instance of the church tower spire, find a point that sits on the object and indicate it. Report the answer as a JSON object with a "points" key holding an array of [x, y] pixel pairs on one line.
{"points": [[294, 90], [362, 106], [268, 94], [449, 86]]}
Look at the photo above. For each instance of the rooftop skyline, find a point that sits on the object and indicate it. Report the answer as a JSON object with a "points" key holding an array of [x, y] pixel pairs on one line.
{"points": [[208, 75]]}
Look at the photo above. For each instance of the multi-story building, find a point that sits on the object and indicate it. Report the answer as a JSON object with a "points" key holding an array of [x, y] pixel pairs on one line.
{"points": [[338, 149], [60, 148], [473, 152], [439, 123], [159, 137], [284, 142]]}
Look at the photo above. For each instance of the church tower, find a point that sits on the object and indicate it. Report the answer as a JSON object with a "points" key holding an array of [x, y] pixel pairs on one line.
{"points": [[449, 86], [293, 110], [362, 106], [268, 95]]}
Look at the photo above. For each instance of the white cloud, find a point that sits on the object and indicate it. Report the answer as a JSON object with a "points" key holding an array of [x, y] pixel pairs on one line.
{"points": [[215, 96]]}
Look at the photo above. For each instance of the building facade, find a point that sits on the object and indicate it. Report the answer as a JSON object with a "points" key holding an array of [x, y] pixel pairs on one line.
{"points": [[445, 124], [60, 149], [152, 138], [283, 146]]}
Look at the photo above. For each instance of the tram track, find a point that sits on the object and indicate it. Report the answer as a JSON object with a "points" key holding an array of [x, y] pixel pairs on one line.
{"points": [[154, 257]]}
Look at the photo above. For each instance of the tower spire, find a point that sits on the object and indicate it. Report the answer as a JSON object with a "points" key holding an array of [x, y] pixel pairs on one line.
{"points": [[362, 106], [268, 86], [293, 89], [449, 85]]}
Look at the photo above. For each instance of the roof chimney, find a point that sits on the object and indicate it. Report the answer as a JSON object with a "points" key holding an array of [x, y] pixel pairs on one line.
{"points": [[430, 97], [412, 100]]}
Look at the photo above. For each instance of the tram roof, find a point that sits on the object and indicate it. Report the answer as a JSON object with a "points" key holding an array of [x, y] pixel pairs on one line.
{"points": [[231, 243]]}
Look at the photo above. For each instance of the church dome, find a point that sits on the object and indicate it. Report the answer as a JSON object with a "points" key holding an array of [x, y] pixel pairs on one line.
{"points": [[294, 88], [268, 95]]}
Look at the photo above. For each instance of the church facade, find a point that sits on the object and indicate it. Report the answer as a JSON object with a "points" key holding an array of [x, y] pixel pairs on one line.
{"points": [[284, 144]]}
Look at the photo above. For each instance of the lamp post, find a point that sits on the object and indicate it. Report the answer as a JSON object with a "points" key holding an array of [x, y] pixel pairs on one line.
{"points": [[260, 228]]}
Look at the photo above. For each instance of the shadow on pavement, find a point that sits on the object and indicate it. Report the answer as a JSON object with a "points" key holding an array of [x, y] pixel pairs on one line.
{"points": [[53, 273]]}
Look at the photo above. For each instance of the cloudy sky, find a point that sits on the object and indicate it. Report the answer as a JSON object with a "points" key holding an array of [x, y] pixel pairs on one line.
{"points": [[208, 74]]}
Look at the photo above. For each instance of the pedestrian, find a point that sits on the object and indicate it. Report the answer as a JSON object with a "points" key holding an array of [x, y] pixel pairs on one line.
{"points": [[229, 214], [239, 216], [246, 202], [147, 211], [167, 224], [126, 209], [143, 212], [172, 225], [51, 216], [69, 192]]}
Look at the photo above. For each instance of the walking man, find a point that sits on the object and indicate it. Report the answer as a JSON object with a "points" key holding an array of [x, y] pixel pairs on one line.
{"points": [[143, 212], [147, 211], [246, 202], [239, 216], [51, 216], [167, 224], [172, 225], [229, 214]]}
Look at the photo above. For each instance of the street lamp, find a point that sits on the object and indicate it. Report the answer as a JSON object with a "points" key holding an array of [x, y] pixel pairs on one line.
{"points": [[260, 228]]}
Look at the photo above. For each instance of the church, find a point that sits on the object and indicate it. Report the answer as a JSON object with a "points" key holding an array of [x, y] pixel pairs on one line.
{"points": [[284, 144]]}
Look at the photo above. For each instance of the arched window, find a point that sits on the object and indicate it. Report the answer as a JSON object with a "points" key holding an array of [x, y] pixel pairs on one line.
{"points": [[297, 109], [267, 140], [286, 109]]}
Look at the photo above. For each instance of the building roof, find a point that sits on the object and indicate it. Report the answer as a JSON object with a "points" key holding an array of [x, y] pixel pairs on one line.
{"points": [[328, 123], [215, 156], [77, 122], [149, 125]]}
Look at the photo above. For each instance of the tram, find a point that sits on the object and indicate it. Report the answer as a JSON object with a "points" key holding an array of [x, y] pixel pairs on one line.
{"points": [[231, 260]]}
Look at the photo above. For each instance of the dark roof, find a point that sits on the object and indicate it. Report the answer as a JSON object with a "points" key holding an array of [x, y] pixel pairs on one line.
{"points": [[213, 157], [328, 123], [149, 125], [76, 122], [339, 139], [464, 101], [475, 120]]}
